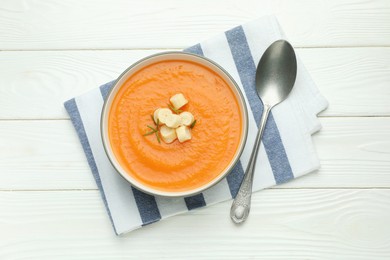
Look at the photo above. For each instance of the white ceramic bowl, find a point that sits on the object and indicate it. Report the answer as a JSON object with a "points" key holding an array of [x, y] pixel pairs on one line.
{"points": [[162, 57]]}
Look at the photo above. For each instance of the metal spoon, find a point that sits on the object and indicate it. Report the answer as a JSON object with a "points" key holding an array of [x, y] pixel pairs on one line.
{"points": [[275, 78]]}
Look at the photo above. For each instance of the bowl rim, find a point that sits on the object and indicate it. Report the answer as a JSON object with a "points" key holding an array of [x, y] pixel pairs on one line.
{"points": [[149, 190]]}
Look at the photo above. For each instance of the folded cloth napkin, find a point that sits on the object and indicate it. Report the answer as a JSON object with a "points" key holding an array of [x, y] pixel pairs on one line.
{"points": [[286, 151]]}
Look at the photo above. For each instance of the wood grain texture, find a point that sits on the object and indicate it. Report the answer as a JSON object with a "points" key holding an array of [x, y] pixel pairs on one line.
{"points": [[284, 224], [354, 152], [355, 81], [121, 24], [51, 51], [34, 85], [44, 154]]}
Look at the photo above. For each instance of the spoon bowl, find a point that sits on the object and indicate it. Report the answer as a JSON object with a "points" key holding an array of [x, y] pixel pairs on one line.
{"points": [[276, 73], [275, 78]]}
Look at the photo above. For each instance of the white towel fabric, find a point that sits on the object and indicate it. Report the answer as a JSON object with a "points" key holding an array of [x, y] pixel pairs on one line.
{"points": [[286, 152]]}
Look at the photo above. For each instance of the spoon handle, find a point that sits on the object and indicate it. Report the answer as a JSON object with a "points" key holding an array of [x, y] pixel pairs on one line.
{"points": [[242, 203]]}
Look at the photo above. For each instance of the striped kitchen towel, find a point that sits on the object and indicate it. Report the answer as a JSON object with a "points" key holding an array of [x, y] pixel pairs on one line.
{"points": [[286, 152]]}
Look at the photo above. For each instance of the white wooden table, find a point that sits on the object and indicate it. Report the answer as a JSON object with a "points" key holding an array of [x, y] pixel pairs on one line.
{"points": [[50, 208]]}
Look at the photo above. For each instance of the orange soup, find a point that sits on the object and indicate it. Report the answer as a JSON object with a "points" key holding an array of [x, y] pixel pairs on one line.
{"points": [[175, 167]]}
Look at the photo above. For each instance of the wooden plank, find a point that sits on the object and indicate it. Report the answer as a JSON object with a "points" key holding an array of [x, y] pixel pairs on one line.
{"points": [[284, 224], [121, 24], [34, 85], [355, 81], [354, 152], [44, 154]]}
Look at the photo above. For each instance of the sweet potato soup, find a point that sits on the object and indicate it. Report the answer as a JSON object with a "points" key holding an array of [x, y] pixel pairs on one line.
{"points": [[176, 166]]}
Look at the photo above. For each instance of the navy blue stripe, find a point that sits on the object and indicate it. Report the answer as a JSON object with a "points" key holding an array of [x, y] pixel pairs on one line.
{"points": [[147, 207], [196, 49], [234, 179], [247, 71], [105, 89], [146, 204], [196, 201], [235, 176], [75, 117]]}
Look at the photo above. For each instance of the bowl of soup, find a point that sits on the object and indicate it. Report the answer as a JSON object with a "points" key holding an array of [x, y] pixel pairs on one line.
{"points": [[134, 130]]}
